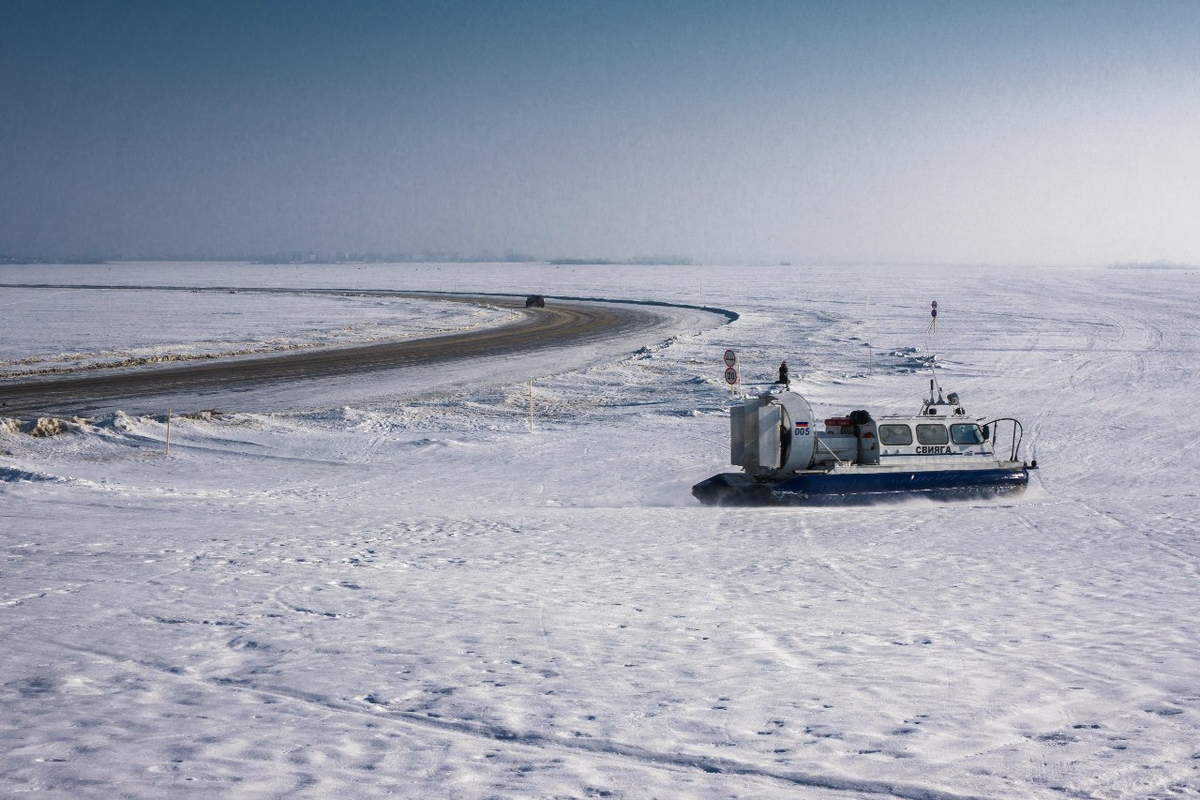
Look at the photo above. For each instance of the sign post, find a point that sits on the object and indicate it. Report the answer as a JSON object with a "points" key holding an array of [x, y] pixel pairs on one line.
{"points": [[731, 372]]}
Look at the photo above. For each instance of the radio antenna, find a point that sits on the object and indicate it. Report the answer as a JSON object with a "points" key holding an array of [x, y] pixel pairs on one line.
{"points": [[935, 391]]}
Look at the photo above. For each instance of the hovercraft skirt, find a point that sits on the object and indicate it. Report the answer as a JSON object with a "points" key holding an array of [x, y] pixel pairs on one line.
{"points": [[860, 488]]}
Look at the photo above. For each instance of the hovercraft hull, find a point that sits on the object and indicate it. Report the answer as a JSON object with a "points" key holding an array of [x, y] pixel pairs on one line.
{"points": [[861, 487]]}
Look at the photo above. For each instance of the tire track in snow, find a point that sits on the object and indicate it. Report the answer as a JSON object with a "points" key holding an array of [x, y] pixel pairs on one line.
{"points": [[1189, 562], [1090, 375], [376, 710], [707, 764], [1074, 378]]}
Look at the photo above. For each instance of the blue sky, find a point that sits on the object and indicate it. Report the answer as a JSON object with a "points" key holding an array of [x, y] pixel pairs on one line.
{"points": [[962, 132]]}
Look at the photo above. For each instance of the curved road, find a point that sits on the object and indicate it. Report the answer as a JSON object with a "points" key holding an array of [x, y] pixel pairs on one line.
{"points": [[537, 327]]}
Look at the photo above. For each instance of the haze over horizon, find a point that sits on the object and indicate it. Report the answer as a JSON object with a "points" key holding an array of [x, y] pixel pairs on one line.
{"points": [[935, 132]]}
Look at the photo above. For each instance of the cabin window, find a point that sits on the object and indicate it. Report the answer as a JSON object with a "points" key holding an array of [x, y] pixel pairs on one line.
{"points": [[895, 435], [932, 434], [966, 434]]}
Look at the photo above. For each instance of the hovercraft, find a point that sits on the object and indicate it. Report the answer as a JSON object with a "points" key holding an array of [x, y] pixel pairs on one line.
{"points": [[852, 459]]}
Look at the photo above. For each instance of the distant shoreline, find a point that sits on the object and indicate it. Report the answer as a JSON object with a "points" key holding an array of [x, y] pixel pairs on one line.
{"points": [[1155, 265]]}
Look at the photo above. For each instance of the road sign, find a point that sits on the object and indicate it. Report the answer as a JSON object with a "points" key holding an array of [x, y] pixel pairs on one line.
{"points": [[730, 358], [731, 376]]}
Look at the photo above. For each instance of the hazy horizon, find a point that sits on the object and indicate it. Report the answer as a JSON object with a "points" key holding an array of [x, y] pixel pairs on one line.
{"points": [[873, 132]]}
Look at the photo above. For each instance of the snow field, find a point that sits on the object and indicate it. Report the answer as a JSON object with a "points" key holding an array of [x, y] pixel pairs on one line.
{"points": [[147, 326], [422, 598]]}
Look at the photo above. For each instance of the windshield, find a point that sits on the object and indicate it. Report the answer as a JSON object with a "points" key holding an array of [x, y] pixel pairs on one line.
{"points": [[966, 434]]}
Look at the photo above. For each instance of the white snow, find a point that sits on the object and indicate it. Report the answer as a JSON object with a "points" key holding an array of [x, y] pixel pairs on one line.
{"points": [[416, 596], [158, 325]]}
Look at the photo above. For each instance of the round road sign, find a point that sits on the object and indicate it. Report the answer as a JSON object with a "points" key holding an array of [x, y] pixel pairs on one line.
{"points": [[730, 358], [731, 376]]}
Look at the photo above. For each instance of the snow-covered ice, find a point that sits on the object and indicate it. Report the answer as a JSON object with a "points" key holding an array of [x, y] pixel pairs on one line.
{"points": [[148, 326], [419, 597]]}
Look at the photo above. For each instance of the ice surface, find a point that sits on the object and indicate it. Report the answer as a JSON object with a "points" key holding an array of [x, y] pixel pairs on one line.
{"points": [[124, 327], [419, 597]]}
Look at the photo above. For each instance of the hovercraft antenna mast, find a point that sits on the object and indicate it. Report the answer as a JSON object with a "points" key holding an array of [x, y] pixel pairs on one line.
{"points": [[934, 399]]}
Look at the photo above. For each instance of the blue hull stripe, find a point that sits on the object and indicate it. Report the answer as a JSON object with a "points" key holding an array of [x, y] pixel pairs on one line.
{"points": [[903, 481], [839, 489]]}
